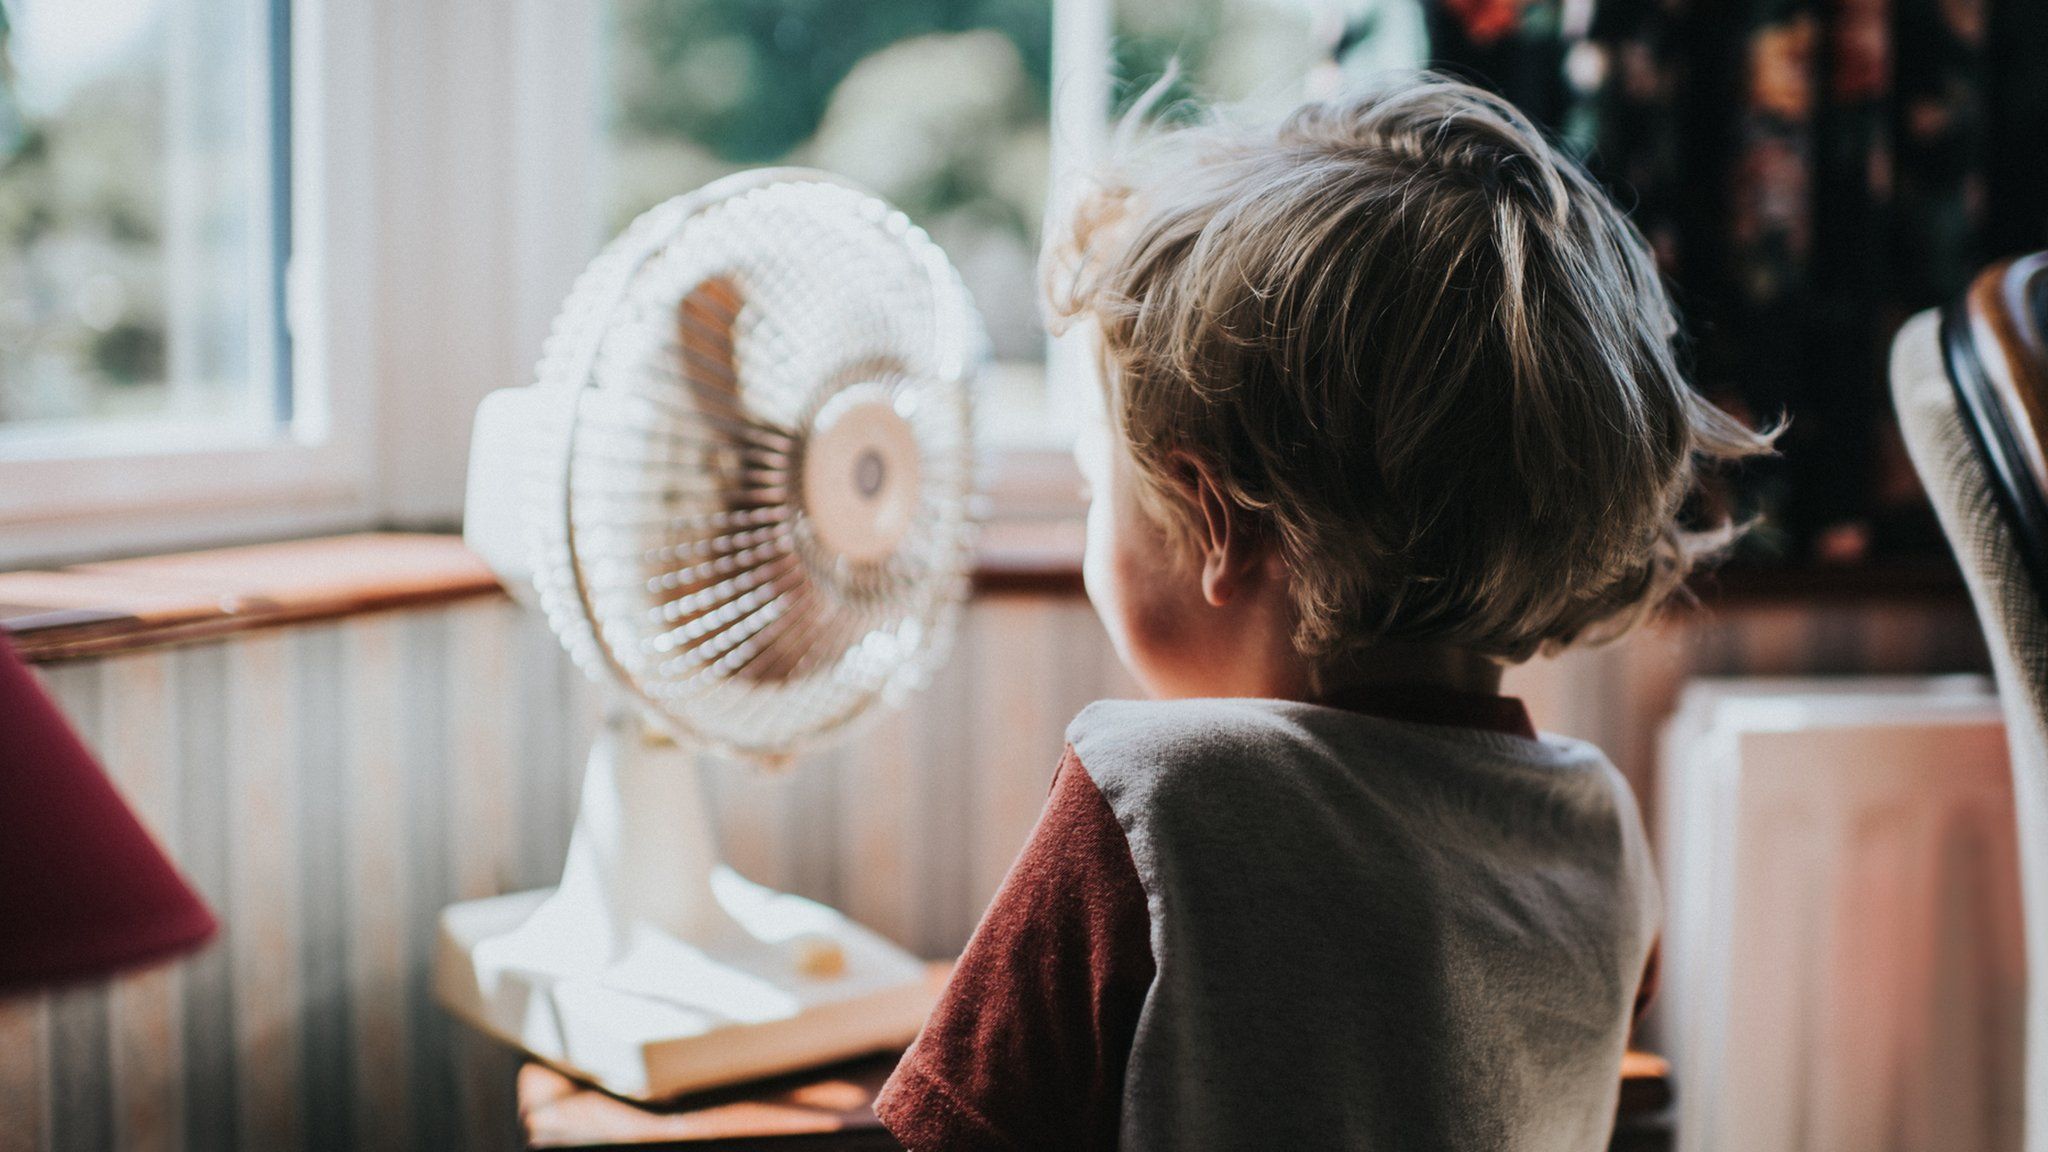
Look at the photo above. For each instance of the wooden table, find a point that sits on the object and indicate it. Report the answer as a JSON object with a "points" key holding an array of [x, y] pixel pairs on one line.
{"points": [[826, 1108], [830, 1108]]}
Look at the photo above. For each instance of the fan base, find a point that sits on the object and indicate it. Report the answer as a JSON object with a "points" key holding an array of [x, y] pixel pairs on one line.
{"points": [[671, 1016]]}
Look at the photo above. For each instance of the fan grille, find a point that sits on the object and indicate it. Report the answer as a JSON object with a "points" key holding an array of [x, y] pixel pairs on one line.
{"points": [[718, 535]]}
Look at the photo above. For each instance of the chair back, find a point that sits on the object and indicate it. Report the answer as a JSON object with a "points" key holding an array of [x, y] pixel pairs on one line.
{"points": [[1970, 383]]}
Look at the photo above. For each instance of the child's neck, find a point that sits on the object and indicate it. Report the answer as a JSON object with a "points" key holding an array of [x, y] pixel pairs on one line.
{"points": [[1404, 665], [1276, 671]]}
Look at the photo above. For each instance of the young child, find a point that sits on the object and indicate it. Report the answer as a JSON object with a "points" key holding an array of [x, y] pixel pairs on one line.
{"points": [[1391, 403]]}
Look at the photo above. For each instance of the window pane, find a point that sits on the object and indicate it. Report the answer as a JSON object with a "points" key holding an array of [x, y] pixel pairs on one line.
{"points": [[939, 105], [1263, 56], [138, 264]]}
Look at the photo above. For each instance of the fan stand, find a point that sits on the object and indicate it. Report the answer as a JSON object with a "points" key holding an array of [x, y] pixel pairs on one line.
{"points": [[652, 969]]}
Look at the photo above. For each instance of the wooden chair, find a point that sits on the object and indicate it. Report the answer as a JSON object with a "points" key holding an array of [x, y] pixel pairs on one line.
{"points": [[1970, 383]]}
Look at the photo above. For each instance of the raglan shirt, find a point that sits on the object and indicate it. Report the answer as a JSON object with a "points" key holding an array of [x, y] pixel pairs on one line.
{"points": [[1405, 923]]}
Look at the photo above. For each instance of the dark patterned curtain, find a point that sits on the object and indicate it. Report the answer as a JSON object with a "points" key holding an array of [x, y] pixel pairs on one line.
{"points": [[1811, 172]]}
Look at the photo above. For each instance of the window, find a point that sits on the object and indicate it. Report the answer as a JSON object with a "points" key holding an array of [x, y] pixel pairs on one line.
{"points": [[428, 179], [940, 106], [143, 224], [1267, 55], [166, 167]]}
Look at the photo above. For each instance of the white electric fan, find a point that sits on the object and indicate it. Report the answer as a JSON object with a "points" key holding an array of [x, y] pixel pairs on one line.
{"points": [[739, 491]]}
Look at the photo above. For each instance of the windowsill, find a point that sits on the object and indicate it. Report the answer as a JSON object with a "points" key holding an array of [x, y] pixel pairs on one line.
{"points": [[91, 610], [105, 609]]}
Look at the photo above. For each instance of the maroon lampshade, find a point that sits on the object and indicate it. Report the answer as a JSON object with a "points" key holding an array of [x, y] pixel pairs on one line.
{"points": [[84, 889]]}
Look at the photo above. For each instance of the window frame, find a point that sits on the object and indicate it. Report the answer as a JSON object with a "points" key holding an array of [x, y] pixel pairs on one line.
{"points": [[74, 494]]}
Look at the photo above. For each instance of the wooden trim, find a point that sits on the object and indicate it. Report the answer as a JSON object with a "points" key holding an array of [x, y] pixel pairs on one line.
{"points": [[93, 610], [104, 609]]}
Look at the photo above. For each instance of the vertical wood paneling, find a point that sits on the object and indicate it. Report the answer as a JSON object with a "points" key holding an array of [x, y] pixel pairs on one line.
{"points": [[875, 837], [424, 742], [751, 808], [264, 874], [377, 879], [483, 717], [24, 1082], [322, 823], [1017, 735], [199, 688], [941, 796], [79, 1076], [811, 806], [550, 748], [1086, 669], [146, 1044], [485, 1107]]}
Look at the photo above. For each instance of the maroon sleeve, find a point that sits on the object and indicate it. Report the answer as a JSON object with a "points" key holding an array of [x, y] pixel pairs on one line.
{"points": [[1027, 1047]]}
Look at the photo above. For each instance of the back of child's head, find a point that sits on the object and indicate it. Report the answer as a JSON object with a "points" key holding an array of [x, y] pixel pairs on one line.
{"points": [[1422, 347]]}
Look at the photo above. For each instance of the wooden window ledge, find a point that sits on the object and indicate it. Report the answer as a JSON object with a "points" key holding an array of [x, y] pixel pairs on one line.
{"points": [[92, 610], [101, 609], [126, 605]]}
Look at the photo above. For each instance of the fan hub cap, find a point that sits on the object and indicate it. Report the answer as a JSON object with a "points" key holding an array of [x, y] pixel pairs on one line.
{"points": [[861, 474]]}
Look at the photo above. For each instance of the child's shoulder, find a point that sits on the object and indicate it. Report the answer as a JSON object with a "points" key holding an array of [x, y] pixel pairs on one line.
{"points": [[1166, 739], [1191, 734], [1248, 754], [1179, 728]]}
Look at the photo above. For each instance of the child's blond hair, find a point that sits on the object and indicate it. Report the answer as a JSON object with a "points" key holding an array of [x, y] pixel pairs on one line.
{"points": [[1422, 346]]}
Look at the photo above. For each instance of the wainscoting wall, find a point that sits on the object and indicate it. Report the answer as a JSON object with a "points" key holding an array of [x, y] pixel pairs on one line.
{"points": [[330, 786]]}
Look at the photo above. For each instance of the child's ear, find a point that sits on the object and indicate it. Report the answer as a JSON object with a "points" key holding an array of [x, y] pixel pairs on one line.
{"points": [[1230, 548]]}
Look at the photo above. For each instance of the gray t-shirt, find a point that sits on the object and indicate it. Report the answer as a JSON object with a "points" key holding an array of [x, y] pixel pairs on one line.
{"points": [[1370, 933]]}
